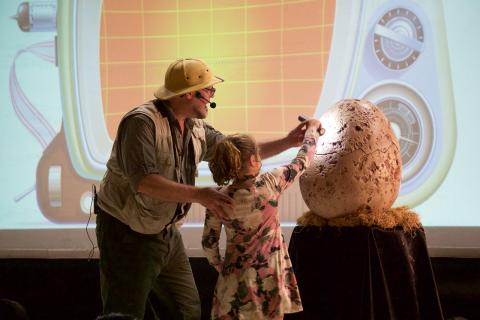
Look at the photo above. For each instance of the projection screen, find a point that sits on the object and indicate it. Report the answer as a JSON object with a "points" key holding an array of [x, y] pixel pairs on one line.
{"points": [[71, 69]]}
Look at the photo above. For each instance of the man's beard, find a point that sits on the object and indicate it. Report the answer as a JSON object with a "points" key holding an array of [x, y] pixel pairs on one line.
{"points": [[200, 115]]}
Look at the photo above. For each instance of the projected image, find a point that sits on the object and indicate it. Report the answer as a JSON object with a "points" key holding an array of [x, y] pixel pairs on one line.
{"points": [[279, 59], [404, 63]]}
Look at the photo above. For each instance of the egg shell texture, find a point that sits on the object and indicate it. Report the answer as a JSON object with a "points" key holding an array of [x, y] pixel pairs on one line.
{"points": [[357, 162]]}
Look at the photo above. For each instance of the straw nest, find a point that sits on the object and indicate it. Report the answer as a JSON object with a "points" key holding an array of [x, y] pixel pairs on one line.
{"points": [[401, 217]]}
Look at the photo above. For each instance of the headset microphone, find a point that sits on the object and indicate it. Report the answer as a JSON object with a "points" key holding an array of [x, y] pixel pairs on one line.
{"points": [[198, 95]]}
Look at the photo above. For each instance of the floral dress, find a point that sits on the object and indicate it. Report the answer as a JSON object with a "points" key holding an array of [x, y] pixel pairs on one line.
{"points": [[256, 279]]}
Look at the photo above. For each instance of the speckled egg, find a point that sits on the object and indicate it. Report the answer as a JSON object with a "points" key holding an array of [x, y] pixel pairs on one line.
{"points": [[357, 162]]}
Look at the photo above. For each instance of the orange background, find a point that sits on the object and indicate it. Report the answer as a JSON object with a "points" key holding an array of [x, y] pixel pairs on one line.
{"points": [[272, 54]]}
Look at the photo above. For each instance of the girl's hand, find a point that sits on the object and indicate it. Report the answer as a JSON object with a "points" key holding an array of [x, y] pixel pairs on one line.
{"points": [[312, 122], [218, 267], [315, 125]]}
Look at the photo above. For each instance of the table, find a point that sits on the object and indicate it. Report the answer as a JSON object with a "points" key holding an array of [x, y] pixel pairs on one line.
{"points": [[363, 273]]}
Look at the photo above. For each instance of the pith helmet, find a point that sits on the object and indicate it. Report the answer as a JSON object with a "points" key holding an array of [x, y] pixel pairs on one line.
{"points": [[186, 75]]}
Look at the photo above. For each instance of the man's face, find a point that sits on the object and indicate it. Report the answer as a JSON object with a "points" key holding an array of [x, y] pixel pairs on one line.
{"points": [[199, 104]]}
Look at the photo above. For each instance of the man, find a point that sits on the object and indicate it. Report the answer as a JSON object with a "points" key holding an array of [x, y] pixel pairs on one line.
{"points": [[149, 185]]}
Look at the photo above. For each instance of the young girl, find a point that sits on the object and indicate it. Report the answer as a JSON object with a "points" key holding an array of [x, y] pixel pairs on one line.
{"points": [[256, 279]]}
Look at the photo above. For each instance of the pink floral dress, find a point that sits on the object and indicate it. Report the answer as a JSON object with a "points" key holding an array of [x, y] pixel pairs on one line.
{"points": [[256, 279]]}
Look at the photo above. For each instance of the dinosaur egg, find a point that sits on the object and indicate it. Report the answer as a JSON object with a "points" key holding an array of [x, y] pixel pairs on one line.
{"points": [[357, 163]]}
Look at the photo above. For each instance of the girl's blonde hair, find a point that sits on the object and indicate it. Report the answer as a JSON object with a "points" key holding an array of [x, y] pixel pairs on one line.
{"points": [[230, 156]]}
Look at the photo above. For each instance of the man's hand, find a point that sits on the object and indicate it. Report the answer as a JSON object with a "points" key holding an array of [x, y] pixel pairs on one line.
{"points": [[295, 137], [213, 200], [161, 188]]}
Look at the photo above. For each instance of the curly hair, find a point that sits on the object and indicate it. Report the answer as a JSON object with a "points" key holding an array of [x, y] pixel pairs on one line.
{"points": [[230, 156]]}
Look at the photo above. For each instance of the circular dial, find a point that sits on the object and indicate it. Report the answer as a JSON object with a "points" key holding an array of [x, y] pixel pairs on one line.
{"points": [[398, 38], [413, 132], [405, 125], [412, 122]]}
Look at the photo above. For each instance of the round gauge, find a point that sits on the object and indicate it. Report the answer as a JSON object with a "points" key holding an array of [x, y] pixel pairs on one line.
{"points": [[398, 38], [405, 124], [412, 123]]}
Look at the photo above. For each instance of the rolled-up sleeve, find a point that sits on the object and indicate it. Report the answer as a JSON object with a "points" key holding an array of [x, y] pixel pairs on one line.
{"points": [[212, 137], [136, 148]]}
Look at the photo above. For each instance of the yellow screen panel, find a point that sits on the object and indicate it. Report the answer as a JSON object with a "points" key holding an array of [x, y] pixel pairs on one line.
{"points": [[272, 54]]}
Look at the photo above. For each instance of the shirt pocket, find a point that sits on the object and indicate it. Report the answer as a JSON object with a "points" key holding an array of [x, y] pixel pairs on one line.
{"points": [[165, 159], [164, 151]]}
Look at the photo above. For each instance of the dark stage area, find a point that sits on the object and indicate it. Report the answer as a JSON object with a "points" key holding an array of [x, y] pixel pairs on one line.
{"points": [[69, 288]]}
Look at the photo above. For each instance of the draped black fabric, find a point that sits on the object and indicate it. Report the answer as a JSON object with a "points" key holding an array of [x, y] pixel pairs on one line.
{"points": [[363, 273]]}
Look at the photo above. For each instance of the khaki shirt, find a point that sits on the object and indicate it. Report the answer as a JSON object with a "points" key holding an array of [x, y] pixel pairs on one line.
{"points": [[136, 155]]}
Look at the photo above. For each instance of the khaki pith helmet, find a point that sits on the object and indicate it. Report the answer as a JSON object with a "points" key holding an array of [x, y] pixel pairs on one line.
{"points": [[186, 75]]}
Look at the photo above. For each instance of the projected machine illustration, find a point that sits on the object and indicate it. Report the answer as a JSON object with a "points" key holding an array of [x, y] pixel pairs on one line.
{"points": [[279, 60]]}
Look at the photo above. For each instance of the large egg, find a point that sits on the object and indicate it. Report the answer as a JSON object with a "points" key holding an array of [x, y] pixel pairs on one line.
{"points": [[357, 163]]}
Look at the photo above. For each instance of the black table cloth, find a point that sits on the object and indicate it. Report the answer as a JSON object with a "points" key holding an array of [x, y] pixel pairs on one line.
{"points": [[363, 273]]}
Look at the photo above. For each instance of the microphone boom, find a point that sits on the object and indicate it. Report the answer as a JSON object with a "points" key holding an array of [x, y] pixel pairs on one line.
{"points": [[200, 96]]}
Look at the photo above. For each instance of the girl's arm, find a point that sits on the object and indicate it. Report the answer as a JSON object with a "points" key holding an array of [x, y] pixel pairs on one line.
{"points": [[210, 239], [284, 176]]}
